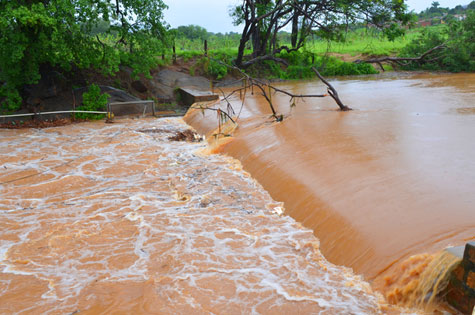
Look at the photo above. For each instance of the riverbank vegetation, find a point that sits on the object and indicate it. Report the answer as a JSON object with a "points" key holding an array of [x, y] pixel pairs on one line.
{"points": [[39, 37], [56, 40], [457, 40]]}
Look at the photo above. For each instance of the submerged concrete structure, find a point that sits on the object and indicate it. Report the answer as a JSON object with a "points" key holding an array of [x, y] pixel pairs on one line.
{"points": [[190, 95], [461, 288]]}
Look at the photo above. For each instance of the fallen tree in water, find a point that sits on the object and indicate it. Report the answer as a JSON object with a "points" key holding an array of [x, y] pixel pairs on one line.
{"points": [[331, 91], [266, 89], [405, 61]]}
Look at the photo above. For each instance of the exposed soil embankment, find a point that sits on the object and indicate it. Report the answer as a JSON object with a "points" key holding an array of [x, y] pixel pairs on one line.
{"points": [[63, 92]]}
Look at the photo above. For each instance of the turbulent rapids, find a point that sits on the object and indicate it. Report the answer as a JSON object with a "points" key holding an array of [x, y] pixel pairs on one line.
{"points": [[381, 185], [98, 218]]}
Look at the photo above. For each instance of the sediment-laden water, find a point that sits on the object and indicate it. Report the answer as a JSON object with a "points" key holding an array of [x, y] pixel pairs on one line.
{"points": [[391, 182], [115, 218]]}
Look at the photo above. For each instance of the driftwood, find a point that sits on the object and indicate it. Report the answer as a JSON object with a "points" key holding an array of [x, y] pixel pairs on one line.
{"points": [[331, 91], [217, 110], [266, 90], [401, 61], [262, 58]]}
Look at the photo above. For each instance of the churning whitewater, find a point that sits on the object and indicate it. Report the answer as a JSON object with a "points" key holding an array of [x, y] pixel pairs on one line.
{"points": [[96, 218]]}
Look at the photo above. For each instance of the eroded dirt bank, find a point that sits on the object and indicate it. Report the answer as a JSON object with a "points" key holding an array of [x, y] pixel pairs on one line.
{"points": [[99, 218]]}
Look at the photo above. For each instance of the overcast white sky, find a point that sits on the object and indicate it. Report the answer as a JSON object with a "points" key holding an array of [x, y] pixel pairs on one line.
{"points": [[213, 14]]}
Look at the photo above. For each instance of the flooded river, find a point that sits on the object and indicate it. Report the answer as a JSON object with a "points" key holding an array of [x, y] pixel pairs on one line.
{"points": [[393, 178], [115, 218]]}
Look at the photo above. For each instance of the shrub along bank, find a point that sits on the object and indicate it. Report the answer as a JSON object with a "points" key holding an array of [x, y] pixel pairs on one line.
{"points": [[459, 39], [299, 65]]}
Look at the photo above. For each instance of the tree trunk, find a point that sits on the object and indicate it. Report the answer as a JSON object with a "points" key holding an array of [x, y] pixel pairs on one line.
{"points": [[242, 45], [256, 42], [295, 29]]}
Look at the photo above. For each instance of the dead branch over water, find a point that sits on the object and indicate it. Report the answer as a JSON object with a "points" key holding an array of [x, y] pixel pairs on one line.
{"points": [[403, 61], [266, 90], [331, 91]]}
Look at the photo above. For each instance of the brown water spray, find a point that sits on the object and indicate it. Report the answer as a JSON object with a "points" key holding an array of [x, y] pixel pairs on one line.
{"points": [[420, 281]]}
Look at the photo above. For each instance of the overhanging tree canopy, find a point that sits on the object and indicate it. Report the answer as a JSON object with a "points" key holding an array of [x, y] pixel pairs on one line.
{"points": [[58, 33], [263, 19]]}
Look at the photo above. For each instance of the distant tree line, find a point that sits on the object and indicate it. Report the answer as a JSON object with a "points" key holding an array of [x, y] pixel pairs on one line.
{"points": [[435, 10]]}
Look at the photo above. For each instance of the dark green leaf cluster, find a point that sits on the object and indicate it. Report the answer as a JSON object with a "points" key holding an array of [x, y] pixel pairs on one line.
{"points": [[93, 100], [301, 63], [100, 34], [458, 36], [263, 19], [210, 66], [217, 70]]}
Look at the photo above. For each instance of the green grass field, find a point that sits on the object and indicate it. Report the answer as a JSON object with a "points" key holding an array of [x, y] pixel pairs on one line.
{"points": [[358, 44], [361, 41], [367, 42], [322, 54]]}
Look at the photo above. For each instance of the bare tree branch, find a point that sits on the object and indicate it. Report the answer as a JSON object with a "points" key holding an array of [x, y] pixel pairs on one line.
{"points": [[197, 106], [403, 61], [261, 58], [331, 91], [250, 82]]}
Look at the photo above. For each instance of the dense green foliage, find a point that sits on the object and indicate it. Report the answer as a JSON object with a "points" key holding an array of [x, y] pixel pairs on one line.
{"points": [[192, 32], [59, 33], [214, 66], [458, 36], [263, 19], [93, 100], [70, 35], [301, 63]]}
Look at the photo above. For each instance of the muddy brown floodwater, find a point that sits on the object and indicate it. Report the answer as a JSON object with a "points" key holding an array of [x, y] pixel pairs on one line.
{"points": [[389, 183], [115, 218]]}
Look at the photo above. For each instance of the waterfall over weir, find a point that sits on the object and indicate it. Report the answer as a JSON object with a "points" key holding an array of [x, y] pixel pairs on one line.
{"points": [[117, 218], [379, 185]]}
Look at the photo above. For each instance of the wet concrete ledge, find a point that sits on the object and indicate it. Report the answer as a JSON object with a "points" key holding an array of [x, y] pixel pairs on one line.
{"points": [[461, 289], [190, 96]]}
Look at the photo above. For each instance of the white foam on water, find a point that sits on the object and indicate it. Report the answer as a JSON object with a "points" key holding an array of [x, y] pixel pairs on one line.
{"points": [[120, 208]]}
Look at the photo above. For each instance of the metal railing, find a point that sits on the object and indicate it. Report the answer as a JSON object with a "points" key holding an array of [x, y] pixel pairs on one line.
{"points": [[109, 110], [109, 105], [55, 112]]}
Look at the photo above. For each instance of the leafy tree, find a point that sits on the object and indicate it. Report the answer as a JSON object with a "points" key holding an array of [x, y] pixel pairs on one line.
{"points": [[458, 39], [59, 33], [263, 19], [189, 36], [192, 32]]}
